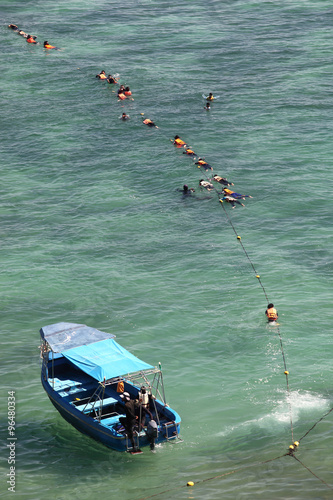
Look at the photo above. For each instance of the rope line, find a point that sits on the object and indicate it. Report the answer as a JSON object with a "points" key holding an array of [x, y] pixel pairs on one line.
{"points": [[214, 477], [311, 472], [314, 425]]}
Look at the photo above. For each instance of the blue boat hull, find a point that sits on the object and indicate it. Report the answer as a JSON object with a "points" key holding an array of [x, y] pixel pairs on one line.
{"points": [[106, 436]]}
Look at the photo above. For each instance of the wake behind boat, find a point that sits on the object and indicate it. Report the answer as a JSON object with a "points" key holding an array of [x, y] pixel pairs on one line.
{"points": [[86, 373]]}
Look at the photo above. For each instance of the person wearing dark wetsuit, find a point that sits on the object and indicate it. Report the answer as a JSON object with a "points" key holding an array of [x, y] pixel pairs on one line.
{"points": [[131, 418], [186, 190]]}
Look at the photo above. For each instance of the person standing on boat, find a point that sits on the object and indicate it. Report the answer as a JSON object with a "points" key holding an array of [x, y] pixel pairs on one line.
{"points": [[131, 418], [271, 313]]}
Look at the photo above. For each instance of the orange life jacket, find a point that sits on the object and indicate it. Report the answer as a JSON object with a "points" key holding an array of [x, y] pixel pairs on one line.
{"points": [[49, 46], [228, 191], [120, 386], [272, 314], [121, 96], [190, 152], [179, 142], [128, 92], [31, 40]]}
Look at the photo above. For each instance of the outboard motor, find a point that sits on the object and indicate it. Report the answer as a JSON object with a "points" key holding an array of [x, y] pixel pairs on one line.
{"points": [[152, 433]]}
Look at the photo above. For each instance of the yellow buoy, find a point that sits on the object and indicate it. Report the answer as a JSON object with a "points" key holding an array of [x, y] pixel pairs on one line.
{"points": [[296, 443], [286, 372], [258, 276], [190, 483], [239, 238]]}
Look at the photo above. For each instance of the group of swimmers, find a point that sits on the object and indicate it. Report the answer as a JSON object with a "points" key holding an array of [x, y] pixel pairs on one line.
{"points": [[31, 38], [228, 195], [209, 98], [123, 92]]}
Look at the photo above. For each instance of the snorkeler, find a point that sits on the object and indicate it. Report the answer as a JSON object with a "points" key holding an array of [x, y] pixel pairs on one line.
{"points": [[124, 117], [271, 313], [205, 184], [202, 163], [186, 190], [111, 79], [207, 107], [13, 27], [48, 46], [238, 196], [179, 142], [190, 152], [31, 39], [149, 122], [232, 201], [101, 75], [222, 180], [121, 93]]}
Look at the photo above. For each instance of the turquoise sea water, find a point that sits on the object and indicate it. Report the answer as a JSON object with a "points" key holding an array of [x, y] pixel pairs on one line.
{"points": [[94, 231]]}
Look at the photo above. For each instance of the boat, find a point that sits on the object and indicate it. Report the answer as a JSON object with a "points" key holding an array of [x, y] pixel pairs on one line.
{"points": [[86, 373]]}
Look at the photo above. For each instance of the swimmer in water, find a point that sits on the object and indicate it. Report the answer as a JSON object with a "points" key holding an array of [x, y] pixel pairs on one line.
{"points": [[232, 201], [31, 39], [124, 117], [179, 142], [101, 75], [121, 93], [205, 184], [13, 27], [271, 313], [222, 180], [186, 190], [111, 79], [202, 163], [238, 196], [190, 152], [48, 46], [22, 33], [207, 107], [210, 97], [149, 122]]}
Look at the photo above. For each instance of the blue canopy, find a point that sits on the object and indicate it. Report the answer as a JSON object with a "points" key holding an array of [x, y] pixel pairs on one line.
{"points": [[105, 359], [63, 336]]}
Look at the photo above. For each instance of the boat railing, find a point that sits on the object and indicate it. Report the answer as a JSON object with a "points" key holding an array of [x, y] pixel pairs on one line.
{"points": [[169, 426]]}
